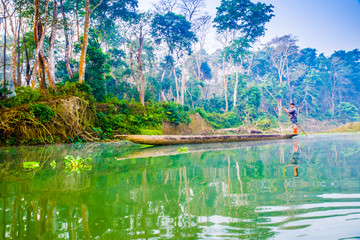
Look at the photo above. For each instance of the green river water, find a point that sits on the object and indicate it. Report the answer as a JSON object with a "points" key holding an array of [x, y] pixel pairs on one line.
{"points": [[303, 188]]}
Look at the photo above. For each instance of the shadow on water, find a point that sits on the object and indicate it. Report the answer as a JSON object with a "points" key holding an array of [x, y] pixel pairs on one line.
{"points": [[299, 188]]}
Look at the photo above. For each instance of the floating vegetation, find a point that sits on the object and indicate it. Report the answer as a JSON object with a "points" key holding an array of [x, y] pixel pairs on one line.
{"points": [[183, 149], [31, 165], [53, 164], [78, 164]]}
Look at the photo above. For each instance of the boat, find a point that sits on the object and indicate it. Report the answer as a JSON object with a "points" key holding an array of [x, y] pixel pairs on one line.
{"points": [[197, 139]]}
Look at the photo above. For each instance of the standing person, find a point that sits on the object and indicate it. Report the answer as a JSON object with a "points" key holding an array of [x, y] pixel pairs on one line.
{"points": [[293, 114]]}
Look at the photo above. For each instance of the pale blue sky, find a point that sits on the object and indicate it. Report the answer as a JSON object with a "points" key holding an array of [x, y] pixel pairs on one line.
{"points": [[327, 25]]}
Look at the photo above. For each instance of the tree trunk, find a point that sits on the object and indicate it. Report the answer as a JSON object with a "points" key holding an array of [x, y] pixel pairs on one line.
{"points": [[280, 108], [43, 86], [236, 85], [84, 44], [141, 70], [28, 71], [67, 44], [39, 38], [183, 81], [225, 87], [18, 54], [13, 49], [4, 71], [177, 86], [51, 66], [13, 63]]}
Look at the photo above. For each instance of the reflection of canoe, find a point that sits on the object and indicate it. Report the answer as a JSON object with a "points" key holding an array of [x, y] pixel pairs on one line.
{"points": [[195, 139], [158, 151]]}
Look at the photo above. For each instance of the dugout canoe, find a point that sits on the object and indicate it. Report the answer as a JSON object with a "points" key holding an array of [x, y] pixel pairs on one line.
{"points": [[197, 139]]}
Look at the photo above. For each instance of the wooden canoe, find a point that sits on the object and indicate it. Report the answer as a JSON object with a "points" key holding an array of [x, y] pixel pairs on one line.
{"points": [[196, 139]]}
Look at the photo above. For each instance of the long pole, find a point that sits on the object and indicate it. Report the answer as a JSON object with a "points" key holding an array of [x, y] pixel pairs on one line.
{"points": [[284, 110]]}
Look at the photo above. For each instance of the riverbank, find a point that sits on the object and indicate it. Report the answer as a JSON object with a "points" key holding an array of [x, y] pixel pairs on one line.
{"points": [[70, 114]]}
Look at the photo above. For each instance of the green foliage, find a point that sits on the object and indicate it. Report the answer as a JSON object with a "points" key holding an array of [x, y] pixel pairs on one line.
{"points": [[174, 30], [124, 117], [150, 132], [176, 113], [206, 71], [65, 89], [266, 123], [78, 164], [347, 111], [4, 91], [253, 98], [183, 149], [42, 112], [221, 120], [243, 16], [97, 67], [24, 95], [53, 164], [215, 104]]}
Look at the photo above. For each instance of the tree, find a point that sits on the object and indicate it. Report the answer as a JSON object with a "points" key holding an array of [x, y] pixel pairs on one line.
{"points": [[176, 32], [98, 67], [281, 49], [67, 41], [85, 39], [240, 19], [138, 42]]}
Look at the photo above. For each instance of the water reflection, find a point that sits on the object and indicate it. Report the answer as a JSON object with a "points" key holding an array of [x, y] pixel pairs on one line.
{"points": [[295, 158], [299, 188]]}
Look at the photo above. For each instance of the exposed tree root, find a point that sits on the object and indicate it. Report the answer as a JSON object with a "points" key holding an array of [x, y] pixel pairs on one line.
{"points": [[72, 117]]}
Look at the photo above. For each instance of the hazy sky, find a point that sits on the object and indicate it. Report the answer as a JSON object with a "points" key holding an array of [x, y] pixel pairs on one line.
{"points": [[327, 25]]}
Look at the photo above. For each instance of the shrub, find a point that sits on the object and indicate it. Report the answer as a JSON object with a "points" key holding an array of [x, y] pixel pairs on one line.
{"points": [[176, 113], [42, 112], [347, 111], [81, 90], [24, 95], [266, 123]]}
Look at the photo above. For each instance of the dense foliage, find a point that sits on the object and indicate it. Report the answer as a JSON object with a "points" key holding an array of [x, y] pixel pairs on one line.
{"points": [[146, 67]]}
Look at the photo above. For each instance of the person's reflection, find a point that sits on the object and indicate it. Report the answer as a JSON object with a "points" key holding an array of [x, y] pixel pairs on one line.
{"points": [[295, 158]]}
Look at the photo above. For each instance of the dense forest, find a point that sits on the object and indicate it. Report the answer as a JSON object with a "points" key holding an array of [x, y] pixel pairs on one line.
{"points": [[157, 58]]}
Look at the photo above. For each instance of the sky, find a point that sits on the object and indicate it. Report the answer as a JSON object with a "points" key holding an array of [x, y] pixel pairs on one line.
{"points": [[326, 25]]}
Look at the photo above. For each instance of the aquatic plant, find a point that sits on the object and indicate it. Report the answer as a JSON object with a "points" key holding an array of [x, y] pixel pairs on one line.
{"points": [[31, 165], [53, 164], [78, 164], [183, 149]]}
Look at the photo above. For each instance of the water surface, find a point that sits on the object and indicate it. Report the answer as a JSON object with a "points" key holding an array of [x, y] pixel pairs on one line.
{"points": [[303, 188]]}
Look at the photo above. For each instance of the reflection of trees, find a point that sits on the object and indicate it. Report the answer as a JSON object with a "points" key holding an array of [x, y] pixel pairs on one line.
{"points": [[174, 196]]}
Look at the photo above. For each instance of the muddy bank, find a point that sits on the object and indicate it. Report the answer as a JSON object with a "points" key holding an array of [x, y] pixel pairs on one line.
{"points": [[197, 126]]}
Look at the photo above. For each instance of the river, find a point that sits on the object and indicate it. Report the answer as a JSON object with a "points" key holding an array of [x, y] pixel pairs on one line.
{"points": [[303, 188]]}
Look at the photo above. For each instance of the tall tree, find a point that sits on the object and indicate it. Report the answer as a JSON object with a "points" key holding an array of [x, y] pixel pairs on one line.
{"points": [[4, 50], [67, 41], [85, 40], [176, 32], [237, 19], [281, 49], [138, 38]]}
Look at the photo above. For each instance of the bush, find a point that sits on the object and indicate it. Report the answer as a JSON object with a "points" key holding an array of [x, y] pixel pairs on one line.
{"points": [[221, 120], [347, 111], [81, 90], [132, 118], [176, 113], [42, 112], [24, 95], [265, 123]]}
